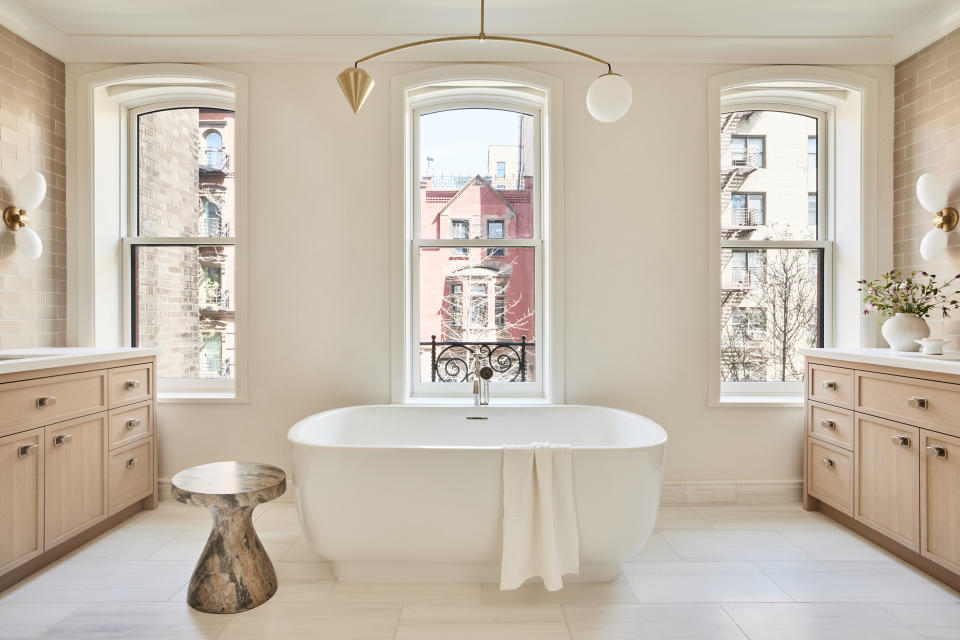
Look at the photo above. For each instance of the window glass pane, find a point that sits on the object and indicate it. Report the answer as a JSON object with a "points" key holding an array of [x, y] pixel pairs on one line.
{"points": [[500, 296], [476, 164], [771, 309], [773, 154], [185, 179], [184, 305]]}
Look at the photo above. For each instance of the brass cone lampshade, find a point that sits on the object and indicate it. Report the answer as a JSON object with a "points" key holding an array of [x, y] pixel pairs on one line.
{"points": [[356, 85]]}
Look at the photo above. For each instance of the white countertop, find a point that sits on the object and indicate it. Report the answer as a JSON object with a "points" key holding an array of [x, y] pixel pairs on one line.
{"points": [[947, 363], [51, 357]]}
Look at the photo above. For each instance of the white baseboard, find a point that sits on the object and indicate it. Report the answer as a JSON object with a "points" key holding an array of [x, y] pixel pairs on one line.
{"points": [[684, 492], [747, 492]]}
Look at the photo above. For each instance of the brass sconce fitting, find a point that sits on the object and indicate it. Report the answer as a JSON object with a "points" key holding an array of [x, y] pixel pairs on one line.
{"points": [[947, 219], [16, 218]]}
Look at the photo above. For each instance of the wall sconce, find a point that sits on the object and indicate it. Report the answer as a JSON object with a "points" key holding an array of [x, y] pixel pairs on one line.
{"points": [[933, 197], [29, 194]]}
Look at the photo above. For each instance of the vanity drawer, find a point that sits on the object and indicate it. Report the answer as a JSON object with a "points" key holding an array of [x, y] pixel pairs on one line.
{"points": [[131, 474], [34, 403], [132, 423], [830, 475], [831, 424], [921, 402], [130, 384], [832, 385]]}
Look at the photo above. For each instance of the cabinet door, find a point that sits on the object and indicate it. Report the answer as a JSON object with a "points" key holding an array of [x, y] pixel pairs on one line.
{"points": [[21, 498], [75, 476], [888, 479], [940, 498]]}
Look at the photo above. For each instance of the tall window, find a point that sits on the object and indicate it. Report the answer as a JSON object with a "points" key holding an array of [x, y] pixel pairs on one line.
{"points": [[774, 253], [747, 209], [213, 150], [748, 151], [476, 248], [181, 251]]}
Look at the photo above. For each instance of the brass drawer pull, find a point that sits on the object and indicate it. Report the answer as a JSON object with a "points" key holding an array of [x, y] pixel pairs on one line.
{"points": [[829, 424], [132, 384], [62, 439], [132, 462], [937, 451], [828, 463], [917, 403], [901, 441], [829, 385], [46, 401], [133, 423], [27, 450]]}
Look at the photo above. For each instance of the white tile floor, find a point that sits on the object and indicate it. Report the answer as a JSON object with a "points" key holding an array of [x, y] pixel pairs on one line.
{"points": [[713, 573]]}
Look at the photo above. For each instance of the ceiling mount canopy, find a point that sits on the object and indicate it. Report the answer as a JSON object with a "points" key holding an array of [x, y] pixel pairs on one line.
{"points": [[608, 98]]}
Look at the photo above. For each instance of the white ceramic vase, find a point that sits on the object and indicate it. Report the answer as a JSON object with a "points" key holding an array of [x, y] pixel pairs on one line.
{"points": [[901, 330]]}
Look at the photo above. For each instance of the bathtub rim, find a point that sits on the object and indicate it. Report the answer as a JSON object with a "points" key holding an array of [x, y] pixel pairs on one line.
{"points": [[295, 437]]}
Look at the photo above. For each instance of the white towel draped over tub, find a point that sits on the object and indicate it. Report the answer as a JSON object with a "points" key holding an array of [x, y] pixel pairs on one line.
{"points": [[539, 521]]}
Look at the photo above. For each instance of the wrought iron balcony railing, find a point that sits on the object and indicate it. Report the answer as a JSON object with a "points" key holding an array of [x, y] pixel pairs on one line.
{"points": [[453, 361], [214, 160], [209, 228], [744, 217], [740, 277]]}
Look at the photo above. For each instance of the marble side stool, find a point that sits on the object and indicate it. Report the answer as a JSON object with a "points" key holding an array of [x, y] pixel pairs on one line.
{"points": [[234, 572]]}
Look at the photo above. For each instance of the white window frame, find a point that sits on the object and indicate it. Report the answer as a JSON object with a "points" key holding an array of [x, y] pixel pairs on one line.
{"points": [[777, 390], [472, 99], [181, 388]]}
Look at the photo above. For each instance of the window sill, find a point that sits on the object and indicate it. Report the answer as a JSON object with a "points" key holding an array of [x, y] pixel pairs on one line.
{"points": [[192, 397], [762, 400]]}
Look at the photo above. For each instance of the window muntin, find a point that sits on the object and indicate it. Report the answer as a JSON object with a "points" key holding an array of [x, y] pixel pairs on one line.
{"points": [[465, 181], [182, 267], [774, 269]]}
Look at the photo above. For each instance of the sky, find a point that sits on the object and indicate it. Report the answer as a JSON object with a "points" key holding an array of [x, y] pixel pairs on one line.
{"points": [[457, 139]]}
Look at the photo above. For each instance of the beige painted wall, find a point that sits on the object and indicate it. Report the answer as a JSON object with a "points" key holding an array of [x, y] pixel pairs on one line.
{"points": [[636, 286]]}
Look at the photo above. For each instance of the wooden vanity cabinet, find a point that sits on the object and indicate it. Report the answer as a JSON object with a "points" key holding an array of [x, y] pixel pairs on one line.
{"points": [[21, 498], [905, 455], [940, 498], [77, 456]]}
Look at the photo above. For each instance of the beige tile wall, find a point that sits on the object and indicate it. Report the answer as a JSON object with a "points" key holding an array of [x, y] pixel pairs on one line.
{"points": [[926, 138], [32, 138]]}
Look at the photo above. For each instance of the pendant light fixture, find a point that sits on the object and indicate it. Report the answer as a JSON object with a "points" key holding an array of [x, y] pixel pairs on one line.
{"points": [[608, 98]]}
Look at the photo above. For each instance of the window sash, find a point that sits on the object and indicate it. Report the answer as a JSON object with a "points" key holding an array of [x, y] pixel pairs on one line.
{"points": [[462, 390], [741, 146]]}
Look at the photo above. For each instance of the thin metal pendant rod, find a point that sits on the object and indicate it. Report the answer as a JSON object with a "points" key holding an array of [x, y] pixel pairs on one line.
{"points": [[481, 37]]}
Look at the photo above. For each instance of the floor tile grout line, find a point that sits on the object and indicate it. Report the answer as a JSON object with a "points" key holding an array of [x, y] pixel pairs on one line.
{"points": [[775, 583], [734, 620], [566, 622]]}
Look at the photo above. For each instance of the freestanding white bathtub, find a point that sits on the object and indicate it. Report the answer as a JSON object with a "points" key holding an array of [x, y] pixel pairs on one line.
{"points": [[414, 493]]}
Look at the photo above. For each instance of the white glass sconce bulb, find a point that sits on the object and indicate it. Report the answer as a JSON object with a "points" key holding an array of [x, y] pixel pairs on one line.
{"points": [[29, 243], [31, 191], [931, 193], [609, 97], [933, 245]]}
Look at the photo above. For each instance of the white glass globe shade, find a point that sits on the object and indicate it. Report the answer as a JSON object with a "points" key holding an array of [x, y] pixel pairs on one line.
{"points": [[933, 245], [931, 193], [609, 97], [29, 243], [31, 191]]}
